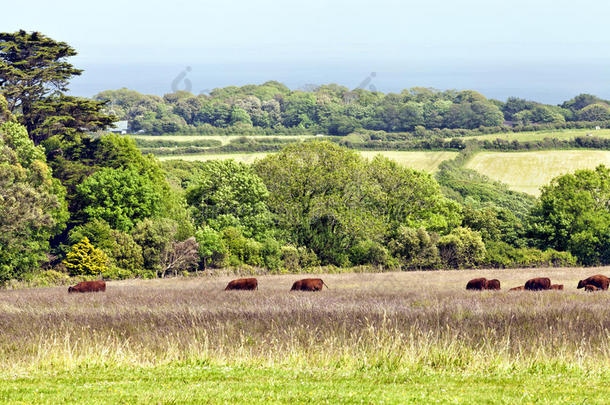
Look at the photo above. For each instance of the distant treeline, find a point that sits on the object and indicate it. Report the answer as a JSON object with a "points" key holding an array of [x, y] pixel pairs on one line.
{"points": [[272, 108]]}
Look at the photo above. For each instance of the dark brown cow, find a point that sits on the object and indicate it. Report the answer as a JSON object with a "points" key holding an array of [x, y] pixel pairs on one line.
{"points": [[308, 284], [591, 288], [492, 284], [598, 281], [520, 288], [537, 284], [477, 284], [88, 286], [243, 284], [556, 286]]}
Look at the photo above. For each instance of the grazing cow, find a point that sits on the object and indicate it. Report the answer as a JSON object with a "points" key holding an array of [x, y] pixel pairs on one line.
{"points": [[243, 284], [477, 284], [556, 286], [308, 284], [598, 281], [492, 284], [591, 288], [520, 288], [537, 284], [88, 286]]}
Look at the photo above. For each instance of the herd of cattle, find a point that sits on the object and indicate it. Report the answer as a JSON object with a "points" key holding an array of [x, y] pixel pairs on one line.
{"points": [[307, 284], [593, 283]]}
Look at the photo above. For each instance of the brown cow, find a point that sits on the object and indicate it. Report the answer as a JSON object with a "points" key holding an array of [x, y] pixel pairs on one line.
{"points": [[308, 284], [556, 286], [243, 284], [598, 281], [520, 288], [492, 284], [88, 286], [537, 284], [477, 284], [591, 288]]}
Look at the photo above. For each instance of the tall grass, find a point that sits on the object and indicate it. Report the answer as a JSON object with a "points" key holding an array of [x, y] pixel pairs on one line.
{"points": [[390, 321]]}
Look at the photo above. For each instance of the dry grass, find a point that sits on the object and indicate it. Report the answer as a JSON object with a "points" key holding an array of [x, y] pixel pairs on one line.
{"points": [[388, 320]]}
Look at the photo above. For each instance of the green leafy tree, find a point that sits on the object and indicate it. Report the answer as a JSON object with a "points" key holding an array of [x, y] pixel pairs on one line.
{"points": [[210, 245], [330, 199], [228, 193], [462, 248], [84, 259], [416, 248], [573, 214], [32, 203], [120, 197]]}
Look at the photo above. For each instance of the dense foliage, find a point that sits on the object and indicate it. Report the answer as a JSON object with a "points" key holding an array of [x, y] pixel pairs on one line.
{"points": [[91, 204], [336, 110], [573, 214]]}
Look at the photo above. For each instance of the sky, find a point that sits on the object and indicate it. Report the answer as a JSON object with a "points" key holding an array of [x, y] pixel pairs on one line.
{"points": [[545, 50]]}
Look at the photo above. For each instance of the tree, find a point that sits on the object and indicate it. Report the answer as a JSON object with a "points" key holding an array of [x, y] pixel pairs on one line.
{"points": [[594, 112], [331, 200], [120, 197], [32, 203], [84, 259], [416, 248], [156, 236], [462, 248], [67, 117], [33, 67], [228, 193], [573, 214], [210, 244], [181, 256]]}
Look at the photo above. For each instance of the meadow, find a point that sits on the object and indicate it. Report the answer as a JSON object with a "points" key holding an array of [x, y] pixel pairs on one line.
{"points": [[563, 134], [410, 337], [427, 161], [528, 171], [223, 139]]}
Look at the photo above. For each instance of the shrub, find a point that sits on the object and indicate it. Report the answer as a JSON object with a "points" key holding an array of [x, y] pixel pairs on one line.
{"points": [[369, 252], [116, 273], [290, 257], [49, 278], [415, 248], [462, 248], [85, 259]]}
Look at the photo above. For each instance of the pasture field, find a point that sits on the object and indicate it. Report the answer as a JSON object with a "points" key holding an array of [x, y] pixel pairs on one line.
{"points": [[412, 337], [248, 157], [427, 161], [528, 171], [539, 135], [224, 139]]}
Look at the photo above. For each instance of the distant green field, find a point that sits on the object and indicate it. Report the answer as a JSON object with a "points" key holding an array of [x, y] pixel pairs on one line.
{"points": [[538, 135], [528, 171], [239, 157], [223, 139], [427, 161]]}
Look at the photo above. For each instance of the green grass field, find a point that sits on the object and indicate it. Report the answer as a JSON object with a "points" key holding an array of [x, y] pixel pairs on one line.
{"points": [[538, 135], [427, 161], [408, 337], [223, 139], [528, 171], [239, 157]]}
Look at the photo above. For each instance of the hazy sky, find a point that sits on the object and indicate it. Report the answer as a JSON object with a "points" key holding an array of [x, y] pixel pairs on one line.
{"points": [[547, 50]]}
